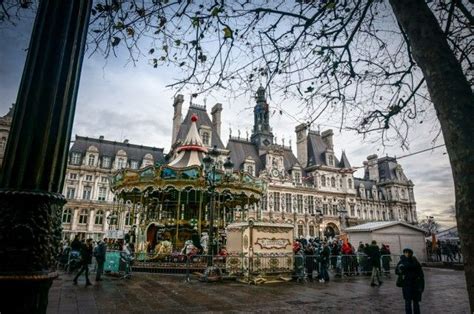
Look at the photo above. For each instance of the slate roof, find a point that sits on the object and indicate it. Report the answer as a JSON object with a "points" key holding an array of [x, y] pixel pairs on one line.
{"points": [[241, 150], [344, 163], [316, 152], [110, 148], [376, 225], [368, 184], [203, 119], [387, 166]]}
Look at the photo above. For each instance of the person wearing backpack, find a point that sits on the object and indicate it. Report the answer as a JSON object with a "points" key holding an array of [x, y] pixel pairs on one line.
{"points": [[412, 281]]}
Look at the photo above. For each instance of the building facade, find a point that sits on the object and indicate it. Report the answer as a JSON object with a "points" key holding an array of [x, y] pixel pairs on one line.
{"points": [[314, 189]]}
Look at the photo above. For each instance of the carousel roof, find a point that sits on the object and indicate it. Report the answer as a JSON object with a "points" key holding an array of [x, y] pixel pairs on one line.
{"points": [[192, 151]]}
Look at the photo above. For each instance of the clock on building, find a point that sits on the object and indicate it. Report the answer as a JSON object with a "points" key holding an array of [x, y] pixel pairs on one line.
{"points": [[275, 172]]}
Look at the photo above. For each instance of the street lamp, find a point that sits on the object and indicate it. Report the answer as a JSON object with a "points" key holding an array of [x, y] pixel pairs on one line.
{"points": [[210, 164], [319, 220]]}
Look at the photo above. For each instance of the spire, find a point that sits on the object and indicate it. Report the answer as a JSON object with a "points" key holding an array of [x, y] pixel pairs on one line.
{"points": [[344, 163], [261, 134], [191, 152]]}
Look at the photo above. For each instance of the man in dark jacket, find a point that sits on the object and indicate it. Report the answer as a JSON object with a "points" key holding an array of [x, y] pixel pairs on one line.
{"points": [[413, 281], [86, 259], [99, 253], [373, 253]]}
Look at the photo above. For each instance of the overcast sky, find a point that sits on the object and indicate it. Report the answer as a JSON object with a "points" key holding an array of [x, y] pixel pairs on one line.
{"points": [[121, 101]]}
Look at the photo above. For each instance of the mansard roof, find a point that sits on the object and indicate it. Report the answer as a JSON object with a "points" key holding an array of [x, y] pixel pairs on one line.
{"points": [[203, 119], [110, 148], [317, 149], [241, 149], [368, 184]]}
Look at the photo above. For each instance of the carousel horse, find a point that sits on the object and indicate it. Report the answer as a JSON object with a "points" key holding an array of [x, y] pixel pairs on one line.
{"points": [[162, 249]]}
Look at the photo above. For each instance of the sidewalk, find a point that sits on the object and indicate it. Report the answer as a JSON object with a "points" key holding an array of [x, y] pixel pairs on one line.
{"points": [[151, 293]]}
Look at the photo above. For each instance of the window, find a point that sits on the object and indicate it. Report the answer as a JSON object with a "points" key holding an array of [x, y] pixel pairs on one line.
{"points": [[311, 230], [3, 143], [340, 182], [76, 158], [323, 180], [358, 213], [330, 160], [334, 210], [121, 163], [349, 183], [89, 178], [134, 164], [325, 209], [106, 161], [83, 216], [297, 177], [384, 216], [91, 160], [300, 230], [99, 217], [71, 193], [250, 169], [73, 176], [276, 201], [128, 219], [352, 210], [67, 216], [311, 204], [299, 203], [104, 179], [102, 193], [205, 138], [86, 194], [288, 202], [333, 182]]}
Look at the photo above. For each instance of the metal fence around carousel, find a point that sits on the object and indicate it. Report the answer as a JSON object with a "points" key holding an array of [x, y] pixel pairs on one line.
{"points": [[300, 266]]}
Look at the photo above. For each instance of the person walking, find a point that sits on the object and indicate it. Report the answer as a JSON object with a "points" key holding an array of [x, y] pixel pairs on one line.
{"points": [[412, 281], [100, 252], [324, 258], [374, 263], [86, 259]]}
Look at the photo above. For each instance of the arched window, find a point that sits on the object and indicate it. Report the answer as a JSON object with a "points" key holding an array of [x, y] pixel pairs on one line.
{"points": [[323, 180], [333, 182], [67, 216], [99, 217], [349, 183], [83, 216], [205, 138], [250, 169], [128, 219]]}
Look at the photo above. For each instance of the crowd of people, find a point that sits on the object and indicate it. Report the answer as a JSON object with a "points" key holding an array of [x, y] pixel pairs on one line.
{"points": [[315, 257], [447, 251]]}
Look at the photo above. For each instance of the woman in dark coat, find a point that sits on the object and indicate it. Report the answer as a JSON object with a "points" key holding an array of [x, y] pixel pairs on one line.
{"points": [[86, 259], [413, 281]]}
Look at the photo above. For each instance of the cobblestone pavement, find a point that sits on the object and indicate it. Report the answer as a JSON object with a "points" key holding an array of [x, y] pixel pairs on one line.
{"points": [[150, 293]]}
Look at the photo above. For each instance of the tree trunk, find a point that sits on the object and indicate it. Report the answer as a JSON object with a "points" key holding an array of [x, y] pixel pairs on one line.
{"points": [[453, 100]]}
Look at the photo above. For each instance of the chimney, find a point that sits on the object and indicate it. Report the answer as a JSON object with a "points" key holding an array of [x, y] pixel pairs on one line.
{"points": [[125, 141], [301, 144], [326, 136], [101, 137], [373, 167], [216, 118], [178, 116]]}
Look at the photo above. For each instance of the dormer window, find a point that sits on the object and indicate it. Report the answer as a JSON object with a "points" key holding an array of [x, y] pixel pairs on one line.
{"points": [[297, 177], [91, 160], [250, 169], [134, 164], [76, 158], [121, 163], [330, 160], [106, 162], [205, 138]]}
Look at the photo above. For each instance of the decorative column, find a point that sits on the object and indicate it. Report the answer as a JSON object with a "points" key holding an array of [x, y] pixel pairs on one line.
{"points": [[36, 155]]}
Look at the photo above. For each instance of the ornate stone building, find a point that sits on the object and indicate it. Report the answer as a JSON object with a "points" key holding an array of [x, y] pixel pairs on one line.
{"points": [[314, 190]]}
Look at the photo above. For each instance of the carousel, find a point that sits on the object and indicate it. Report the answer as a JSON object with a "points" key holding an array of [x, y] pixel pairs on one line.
{"points": [[193, 197]]}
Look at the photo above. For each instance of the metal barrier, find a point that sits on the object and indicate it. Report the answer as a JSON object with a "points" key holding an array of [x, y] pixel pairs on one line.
{"points": [[175, 263]]}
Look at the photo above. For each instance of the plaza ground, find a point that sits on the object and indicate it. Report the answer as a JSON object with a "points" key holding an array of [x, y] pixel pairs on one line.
{"points": [[150, 293]]}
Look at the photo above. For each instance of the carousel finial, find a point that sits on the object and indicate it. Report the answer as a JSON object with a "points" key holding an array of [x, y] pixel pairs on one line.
{"points": [[194, 118]]}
